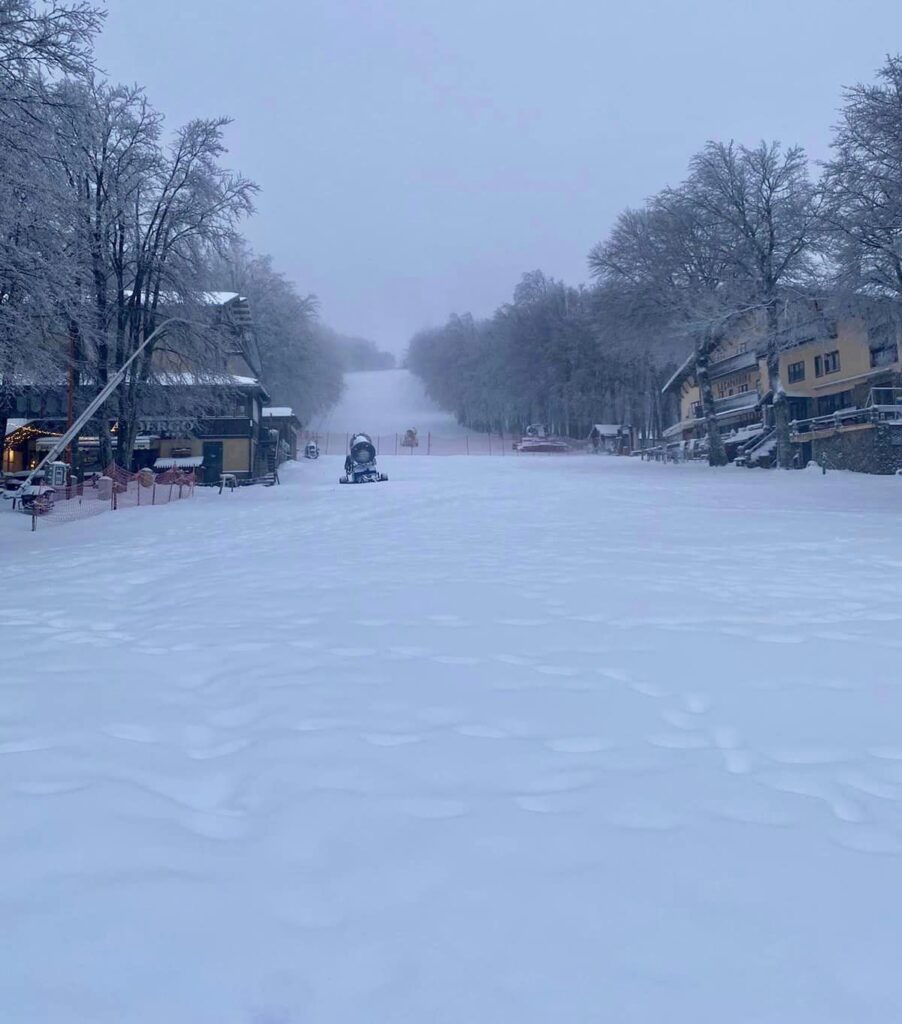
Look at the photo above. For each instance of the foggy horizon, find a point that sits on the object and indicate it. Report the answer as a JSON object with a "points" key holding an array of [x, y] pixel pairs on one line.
{"points": [[414, 161]]}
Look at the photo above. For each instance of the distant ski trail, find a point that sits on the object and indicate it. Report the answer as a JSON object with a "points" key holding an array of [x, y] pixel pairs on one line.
{"points": [[387, 402]]}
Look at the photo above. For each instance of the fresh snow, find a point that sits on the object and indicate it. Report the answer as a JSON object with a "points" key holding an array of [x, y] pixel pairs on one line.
{"points": [[520, 740]]}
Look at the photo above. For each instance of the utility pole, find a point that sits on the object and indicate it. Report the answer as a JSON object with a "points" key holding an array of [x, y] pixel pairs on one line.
{"points": [[70, 391]]}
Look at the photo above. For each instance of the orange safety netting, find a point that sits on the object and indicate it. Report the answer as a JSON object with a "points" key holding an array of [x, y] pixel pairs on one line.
{"points": [[116, 489]]}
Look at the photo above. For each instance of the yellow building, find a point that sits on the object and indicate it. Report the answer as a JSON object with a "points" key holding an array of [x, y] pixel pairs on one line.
{"points": [[738, 377], [842, 382]]}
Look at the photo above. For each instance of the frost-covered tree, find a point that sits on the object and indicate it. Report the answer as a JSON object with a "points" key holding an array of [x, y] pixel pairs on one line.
{"points": [[36, 38], [552, 355], [862, 186], [145, 218], [38, 42], [766, 213], [668, 267], [301, 366]]}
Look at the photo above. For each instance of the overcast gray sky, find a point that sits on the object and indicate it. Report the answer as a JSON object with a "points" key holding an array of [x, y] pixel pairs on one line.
{"points": [[416, 156]]}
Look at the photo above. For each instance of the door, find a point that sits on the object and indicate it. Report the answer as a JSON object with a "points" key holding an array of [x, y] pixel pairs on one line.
{"points": [[212, 461]]}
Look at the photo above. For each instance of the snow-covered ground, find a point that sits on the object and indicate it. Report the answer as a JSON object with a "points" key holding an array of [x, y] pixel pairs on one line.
{"points": [[387, 402], [501, 740]]}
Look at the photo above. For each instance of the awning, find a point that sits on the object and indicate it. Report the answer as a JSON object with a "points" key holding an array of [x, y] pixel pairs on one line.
{"points": [[192, 462]]}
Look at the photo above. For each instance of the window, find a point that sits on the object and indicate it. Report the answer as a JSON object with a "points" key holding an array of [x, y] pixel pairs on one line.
{"points": [[827, 363], [742, 347], [884, 354], [829, 404], [742, 389], [696, 410], [796, 371], [882, 339], [798, 409]]}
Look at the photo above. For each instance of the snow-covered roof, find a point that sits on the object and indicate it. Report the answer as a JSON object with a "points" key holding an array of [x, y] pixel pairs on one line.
{"points": [[278, 410], [13, 425], [191, 462], [609, 429], [744, 433], [210, 298], [220, 298], [209, 378]]}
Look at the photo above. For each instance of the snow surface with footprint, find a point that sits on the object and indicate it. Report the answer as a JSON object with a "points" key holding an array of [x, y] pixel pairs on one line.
{"points": [[503, 740]]}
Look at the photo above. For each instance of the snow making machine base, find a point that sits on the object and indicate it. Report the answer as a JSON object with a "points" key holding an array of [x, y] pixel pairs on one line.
{"points": [[360, 462]]}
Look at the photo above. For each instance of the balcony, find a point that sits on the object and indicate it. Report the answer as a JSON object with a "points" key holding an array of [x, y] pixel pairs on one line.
{"points": [[884, 405], [732, 364], [745, 401]]}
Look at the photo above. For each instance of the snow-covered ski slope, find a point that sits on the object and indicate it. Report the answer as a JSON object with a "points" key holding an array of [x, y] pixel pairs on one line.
{"points": [[387, 402], [524, 740]]}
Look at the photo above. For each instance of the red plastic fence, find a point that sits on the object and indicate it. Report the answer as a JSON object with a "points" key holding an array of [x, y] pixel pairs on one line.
{"points": [[428, 444], [125, 490]]}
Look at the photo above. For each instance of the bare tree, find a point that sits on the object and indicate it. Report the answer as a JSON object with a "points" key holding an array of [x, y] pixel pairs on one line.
{"points": [[668, 263], [145, 221], [36, 41], [53, 37], [766, 214], [863, 187], [300, 362]]}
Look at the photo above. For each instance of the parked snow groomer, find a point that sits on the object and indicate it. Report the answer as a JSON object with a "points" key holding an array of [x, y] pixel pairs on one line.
{"points": [[360, 462]]}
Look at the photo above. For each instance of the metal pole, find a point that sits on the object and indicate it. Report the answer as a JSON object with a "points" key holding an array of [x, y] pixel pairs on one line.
{"points": [[98, 401], [70, 390]]}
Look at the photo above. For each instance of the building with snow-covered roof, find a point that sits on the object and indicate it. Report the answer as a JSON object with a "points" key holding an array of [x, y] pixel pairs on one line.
{"points": [[206, 403], [216, 420], [841, 378], [283, 420]]}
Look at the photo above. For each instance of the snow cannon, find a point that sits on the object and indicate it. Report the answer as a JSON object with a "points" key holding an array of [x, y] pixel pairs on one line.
{"points": [[360, 462], [363, 451]]}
